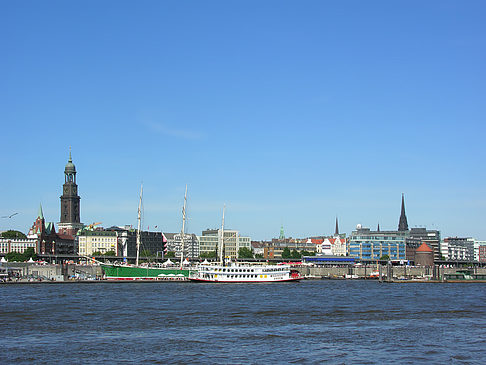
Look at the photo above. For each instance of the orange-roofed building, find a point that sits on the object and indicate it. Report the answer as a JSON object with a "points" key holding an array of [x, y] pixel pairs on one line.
{"points": [[424, 255]]}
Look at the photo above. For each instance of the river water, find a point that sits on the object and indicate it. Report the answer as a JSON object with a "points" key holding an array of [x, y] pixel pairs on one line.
{"points": [[341, 322]]}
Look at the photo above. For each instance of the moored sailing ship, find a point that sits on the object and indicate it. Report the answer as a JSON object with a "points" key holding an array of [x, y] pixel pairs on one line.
{"points": [[148, 272]]}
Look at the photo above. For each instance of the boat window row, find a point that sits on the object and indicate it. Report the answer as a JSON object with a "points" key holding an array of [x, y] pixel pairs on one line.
{"points": [[234, 270], [248, 276], [275, 269]]}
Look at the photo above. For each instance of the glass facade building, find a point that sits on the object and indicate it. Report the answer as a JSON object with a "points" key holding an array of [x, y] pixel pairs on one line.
{"points": [[372, 245]]}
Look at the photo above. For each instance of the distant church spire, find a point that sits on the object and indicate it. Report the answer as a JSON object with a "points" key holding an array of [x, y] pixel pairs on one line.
{"points": [[41, 213], [403, 224], [378, 229], [336, 232], [282, 234]]}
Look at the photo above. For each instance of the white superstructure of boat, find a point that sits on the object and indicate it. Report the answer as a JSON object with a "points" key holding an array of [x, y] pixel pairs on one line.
{"points": [[244, 273]]}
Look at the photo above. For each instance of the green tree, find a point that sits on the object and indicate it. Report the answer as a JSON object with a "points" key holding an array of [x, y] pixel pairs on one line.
{"points": [[11, 234], [295, 254], [208, 255], [110, 253], [146, 253], [259, 256], [245, 253], [385, 258], [170, 254], [286, 254], [14, 256], [29, 253], [307, 253], [97, 253]]}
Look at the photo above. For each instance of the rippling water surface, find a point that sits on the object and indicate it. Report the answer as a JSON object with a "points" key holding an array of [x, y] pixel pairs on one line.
{"points": [[345, 322]]}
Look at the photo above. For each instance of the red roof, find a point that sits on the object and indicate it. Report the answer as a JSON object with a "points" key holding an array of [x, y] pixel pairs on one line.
{"points": [[424, 248]]}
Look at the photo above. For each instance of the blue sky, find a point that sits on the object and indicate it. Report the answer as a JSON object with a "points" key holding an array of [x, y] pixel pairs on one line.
{"points": [[289, 112]]}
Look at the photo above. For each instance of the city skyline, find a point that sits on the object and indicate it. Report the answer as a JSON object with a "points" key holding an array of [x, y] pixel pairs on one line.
{"points": [[291, 114]]}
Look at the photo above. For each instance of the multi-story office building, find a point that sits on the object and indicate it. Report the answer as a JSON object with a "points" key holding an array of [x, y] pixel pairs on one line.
{"points": [[467, 243], [417, 236], [151, 243], [191, 244], [451, 251], [17, 245], [97, 241], [210, 241], [372, 245], [274, 249], [482, 253], [477, 245]]}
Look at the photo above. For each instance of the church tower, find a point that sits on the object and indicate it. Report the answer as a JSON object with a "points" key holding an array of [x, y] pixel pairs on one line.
{"points": [[282, 234], [403, 224], [70, 208]]}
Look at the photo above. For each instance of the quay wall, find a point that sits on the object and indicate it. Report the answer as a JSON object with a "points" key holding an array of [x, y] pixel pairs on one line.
{"points": [[53, 272], [397, 271], [57, 272]]}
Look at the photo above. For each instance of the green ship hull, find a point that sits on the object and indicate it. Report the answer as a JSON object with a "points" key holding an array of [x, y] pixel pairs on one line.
{"points": [[120, 272]]}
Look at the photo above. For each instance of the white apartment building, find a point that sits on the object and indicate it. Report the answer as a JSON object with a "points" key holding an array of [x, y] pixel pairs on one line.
{"points": [[191, 244], [97, 241], [17, 245], [477, 243], [453, 252]]}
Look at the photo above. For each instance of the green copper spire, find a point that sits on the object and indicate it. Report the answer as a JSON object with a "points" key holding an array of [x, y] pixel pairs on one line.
{"points": [[41, 214], [70, 168], [282, 234]]}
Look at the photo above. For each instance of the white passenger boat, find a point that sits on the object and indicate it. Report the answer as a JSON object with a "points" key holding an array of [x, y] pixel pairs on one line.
{"points": [[235, 272], [244, 273]]}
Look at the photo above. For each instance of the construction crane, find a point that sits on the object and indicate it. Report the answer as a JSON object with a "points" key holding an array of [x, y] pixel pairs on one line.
{"points": [[90, 227]]}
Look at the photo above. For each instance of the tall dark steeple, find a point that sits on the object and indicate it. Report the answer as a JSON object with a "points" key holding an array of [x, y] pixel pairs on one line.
{"points": [[403, 224], [336, 232], [70, 208], [378, 228]]}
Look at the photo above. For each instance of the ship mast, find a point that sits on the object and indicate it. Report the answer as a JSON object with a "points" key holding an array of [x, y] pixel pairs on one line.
{"points": [[183, 227], [221, 249], [139, 223]]}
